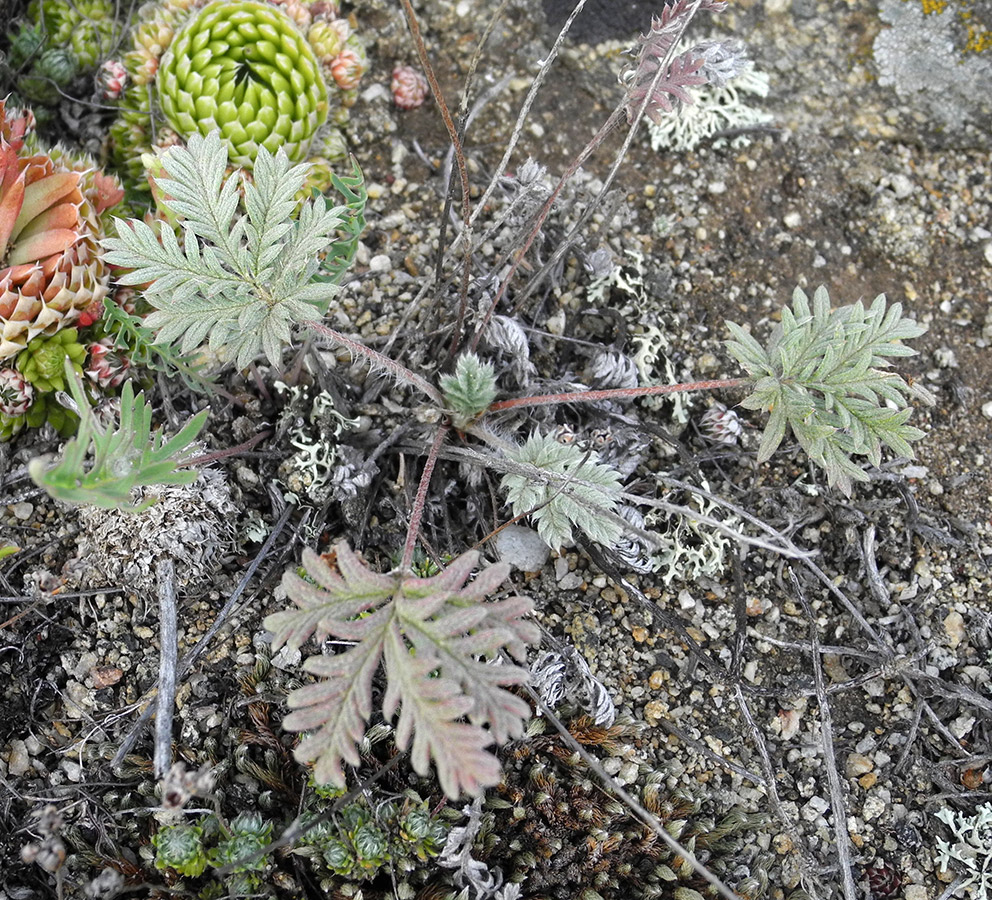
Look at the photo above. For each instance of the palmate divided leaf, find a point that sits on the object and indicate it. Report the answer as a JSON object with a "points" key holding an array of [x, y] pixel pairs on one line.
{"points": [[239, 282], [823, 375], [438, 639]]}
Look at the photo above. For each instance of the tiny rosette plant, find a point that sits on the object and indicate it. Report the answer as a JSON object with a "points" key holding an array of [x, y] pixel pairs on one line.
{"points": [[438, 639], [240, 282], [180, 847], [823, 374], [469, 391], [568, 487], [87, 28]]}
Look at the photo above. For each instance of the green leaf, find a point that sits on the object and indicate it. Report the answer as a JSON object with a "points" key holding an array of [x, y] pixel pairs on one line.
{"points": [[823, 374], [239, 281], [584, 493], [126, 457]]}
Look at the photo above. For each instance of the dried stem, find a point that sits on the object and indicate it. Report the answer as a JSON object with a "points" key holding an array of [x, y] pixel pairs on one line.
{"points": [[165, 575], [456, 142], [614, 787], [518, 126], [187, 662], [542, 215], [376, 359], [843, 838]]}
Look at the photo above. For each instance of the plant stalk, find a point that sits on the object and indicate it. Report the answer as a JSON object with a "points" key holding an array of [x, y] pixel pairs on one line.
{"points": [[616, 393], [417, 513]]}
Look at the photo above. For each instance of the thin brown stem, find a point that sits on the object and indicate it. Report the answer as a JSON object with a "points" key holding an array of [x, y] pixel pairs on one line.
{"points": [[224, 454], [456, 143], [615, 394], [375, 358], [417, 513]]}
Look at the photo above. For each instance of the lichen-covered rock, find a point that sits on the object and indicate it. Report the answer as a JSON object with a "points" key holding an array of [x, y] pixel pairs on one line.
{"points": [[191, 524]]}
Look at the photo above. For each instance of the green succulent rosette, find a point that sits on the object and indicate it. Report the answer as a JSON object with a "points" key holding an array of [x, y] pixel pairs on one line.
{"points": [[86, 27], [52, 71], [47, 409], [259, 71], [244, 68], [42, 362]]}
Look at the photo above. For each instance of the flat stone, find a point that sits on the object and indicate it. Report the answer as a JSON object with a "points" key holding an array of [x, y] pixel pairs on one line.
{"points": [[522, 547], [857, 765]]}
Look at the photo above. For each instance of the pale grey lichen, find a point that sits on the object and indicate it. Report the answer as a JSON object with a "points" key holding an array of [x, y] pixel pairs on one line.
{"points": [[969, 852], [651, 356], [716, 109], [688, 549], [922, 56], [191, 524], [312, 426]]}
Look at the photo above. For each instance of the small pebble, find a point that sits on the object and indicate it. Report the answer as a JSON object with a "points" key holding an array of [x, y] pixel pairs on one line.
{"points": [[523, 548], [954, 628], [380, 263], [857, 765], [18, 761], [22, 511], [901, 186], [873, 808]]}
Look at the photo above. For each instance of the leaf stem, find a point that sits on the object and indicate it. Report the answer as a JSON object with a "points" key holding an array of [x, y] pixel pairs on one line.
{"points": [[417, 514], [616, 393], [375, 358]]}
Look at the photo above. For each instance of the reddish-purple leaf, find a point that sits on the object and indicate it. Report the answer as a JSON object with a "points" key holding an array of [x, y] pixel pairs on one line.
{"points": [[437, 639]]}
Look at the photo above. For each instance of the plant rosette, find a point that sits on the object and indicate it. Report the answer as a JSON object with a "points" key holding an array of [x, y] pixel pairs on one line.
{"points": [[53, 213], [258, 72]]}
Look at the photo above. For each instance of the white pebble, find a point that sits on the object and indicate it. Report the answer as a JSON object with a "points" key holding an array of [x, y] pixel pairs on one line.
{"points": [[873, 808], [380, 263], [18, 761], [523, 548], [901, 186]]}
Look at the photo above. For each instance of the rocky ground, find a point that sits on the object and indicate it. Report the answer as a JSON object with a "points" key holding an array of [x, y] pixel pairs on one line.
{"points": [[842, 705]]}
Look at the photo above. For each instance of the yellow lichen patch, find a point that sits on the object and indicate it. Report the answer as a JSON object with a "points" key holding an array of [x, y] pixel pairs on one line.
{"points": [[979, 39]]}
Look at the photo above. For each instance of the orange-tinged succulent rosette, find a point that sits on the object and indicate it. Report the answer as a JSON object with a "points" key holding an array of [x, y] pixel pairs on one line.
{"points": [[51, 208]]}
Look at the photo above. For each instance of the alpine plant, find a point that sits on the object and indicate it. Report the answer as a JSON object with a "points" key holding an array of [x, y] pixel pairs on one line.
{"points": [[87, 28], [53, 212], [58, 41], [276, 74]]}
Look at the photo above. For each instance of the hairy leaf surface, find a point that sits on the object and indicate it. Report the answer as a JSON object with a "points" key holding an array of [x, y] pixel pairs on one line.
{"points": [[237, 280], [438, 640], [585, 499], [823, 374]]}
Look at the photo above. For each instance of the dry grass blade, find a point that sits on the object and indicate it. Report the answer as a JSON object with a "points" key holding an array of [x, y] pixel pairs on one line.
{"points": [[843, 838]]}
